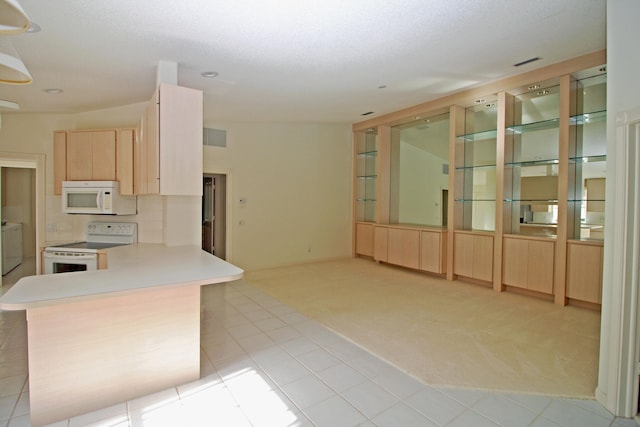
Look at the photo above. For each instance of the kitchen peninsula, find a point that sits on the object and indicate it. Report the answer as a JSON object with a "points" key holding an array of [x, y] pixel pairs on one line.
{"points": [[101, 337]]}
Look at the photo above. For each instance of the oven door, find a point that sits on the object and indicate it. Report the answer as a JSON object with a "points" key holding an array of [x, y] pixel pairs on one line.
{"points": [[64, 262]]}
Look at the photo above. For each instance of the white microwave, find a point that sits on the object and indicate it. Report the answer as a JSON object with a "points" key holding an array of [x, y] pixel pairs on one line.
{"points": [[96, 198]]}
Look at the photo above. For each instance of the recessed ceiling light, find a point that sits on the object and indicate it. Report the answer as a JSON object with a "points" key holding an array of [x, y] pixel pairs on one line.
{"points": [[534, 87], [480, 101], [53, 91], [542, 92], [9, 104], [209, 74]]}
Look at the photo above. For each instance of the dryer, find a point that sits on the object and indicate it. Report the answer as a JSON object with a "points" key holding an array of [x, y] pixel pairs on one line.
{"points": [[11, 246]]}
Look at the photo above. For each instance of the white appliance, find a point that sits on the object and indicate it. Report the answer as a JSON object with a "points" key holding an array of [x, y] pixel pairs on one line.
{"points": [[11, 246], [96, 198], [83, 256]]}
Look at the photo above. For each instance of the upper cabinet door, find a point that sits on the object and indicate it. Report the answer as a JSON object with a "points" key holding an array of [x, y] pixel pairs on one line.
{"points": [[103, 150], [79, 156], [91, 155], [169, 153], [181, 128]]}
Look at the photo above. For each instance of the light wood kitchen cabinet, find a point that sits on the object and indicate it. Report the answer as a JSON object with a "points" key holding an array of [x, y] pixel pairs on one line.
{"points": [[404, 247], [528, 263], [381, 244], [584, 270], [169, 147], [59, 160], [91, 155], [473, 255], [124, 161], [433, 247], [364, 239]]}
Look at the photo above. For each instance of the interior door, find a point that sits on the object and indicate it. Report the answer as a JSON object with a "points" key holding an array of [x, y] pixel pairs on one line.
{"points": [[214, 194]]}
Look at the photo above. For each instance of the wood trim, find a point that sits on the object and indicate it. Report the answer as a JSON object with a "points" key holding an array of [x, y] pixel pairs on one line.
{"points": [[456, 127], [466, 97], [125, 173], [503, 121], [560, 279], [59, 160], [384, 175]]}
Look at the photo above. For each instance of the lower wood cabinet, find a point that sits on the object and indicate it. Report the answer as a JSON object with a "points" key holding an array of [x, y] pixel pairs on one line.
{"points": [[473, 255], [528, 263], [584, 270], [381, 244], [409, 246], [364, 239], [404, 247], [433, 247]]}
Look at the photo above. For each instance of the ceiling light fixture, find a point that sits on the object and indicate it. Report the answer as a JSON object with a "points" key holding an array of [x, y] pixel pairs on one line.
{"points": [[12, 69], [9, 104], [34, 28], [209, 74], [480, 101], [13, 20], [53, 91], [534, 87]]}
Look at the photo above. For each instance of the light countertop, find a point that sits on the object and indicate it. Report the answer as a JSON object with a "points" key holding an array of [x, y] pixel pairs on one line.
{"points": [[132, 268]]}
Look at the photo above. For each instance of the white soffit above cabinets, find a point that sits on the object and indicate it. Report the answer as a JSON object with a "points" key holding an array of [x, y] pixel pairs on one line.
{"points": [[292, 60]]}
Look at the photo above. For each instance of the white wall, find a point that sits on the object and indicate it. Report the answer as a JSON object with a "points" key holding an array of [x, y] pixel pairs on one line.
{"points": [[617, 376], [296, 180]]}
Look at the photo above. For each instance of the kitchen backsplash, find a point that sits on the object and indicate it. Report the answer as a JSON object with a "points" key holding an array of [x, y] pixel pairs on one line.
{"points": [[63, 228]]}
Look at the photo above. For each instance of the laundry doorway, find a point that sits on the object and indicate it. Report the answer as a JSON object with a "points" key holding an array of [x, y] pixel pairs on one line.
{"points": [[214, 207]]}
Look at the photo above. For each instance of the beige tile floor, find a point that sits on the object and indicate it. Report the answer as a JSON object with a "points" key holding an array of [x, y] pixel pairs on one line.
{"points": [[446, 333]]}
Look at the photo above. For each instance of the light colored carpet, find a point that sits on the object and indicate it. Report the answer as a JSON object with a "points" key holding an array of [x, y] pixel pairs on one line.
{"points": [[446, 333]]}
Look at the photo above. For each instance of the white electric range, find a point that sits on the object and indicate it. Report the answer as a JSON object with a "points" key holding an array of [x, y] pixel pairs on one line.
{"points": [[83, 256]]}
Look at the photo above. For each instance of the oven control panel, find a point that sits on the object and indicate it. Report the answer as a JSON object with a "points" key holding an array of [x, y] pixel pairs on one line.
{"points": [[112, 228], [112, 232]]}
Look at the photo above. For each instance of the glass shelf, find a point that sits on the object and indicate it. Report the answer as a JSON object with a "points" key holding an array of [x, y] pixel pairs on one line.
{"points": [[368, 154], [534, 201], [588, 118], [367, 176], [470, 168], [534, 126], [588, 159], [541, 162], [479, 136]]}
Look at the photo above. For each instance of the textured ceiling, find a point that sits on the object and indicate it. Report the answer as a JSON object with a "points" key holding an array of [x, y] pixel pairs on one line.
{"points": [[291, 61]]}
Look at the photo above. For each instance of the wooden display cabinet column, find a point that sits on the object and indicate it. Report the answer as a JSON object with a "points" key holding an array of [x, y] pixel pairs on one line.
{"points": [[454, 221], [560, 280]]}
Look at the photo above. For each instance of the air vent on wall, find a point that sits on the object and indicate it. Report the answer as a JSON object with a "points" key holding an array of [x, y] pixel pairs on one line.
{"points": [[214, 137]]}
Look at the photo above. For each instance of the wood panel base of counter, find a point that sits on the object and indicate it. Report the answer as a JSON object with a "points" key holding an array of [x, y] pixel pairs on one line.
{"points": [[88, 355]]}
